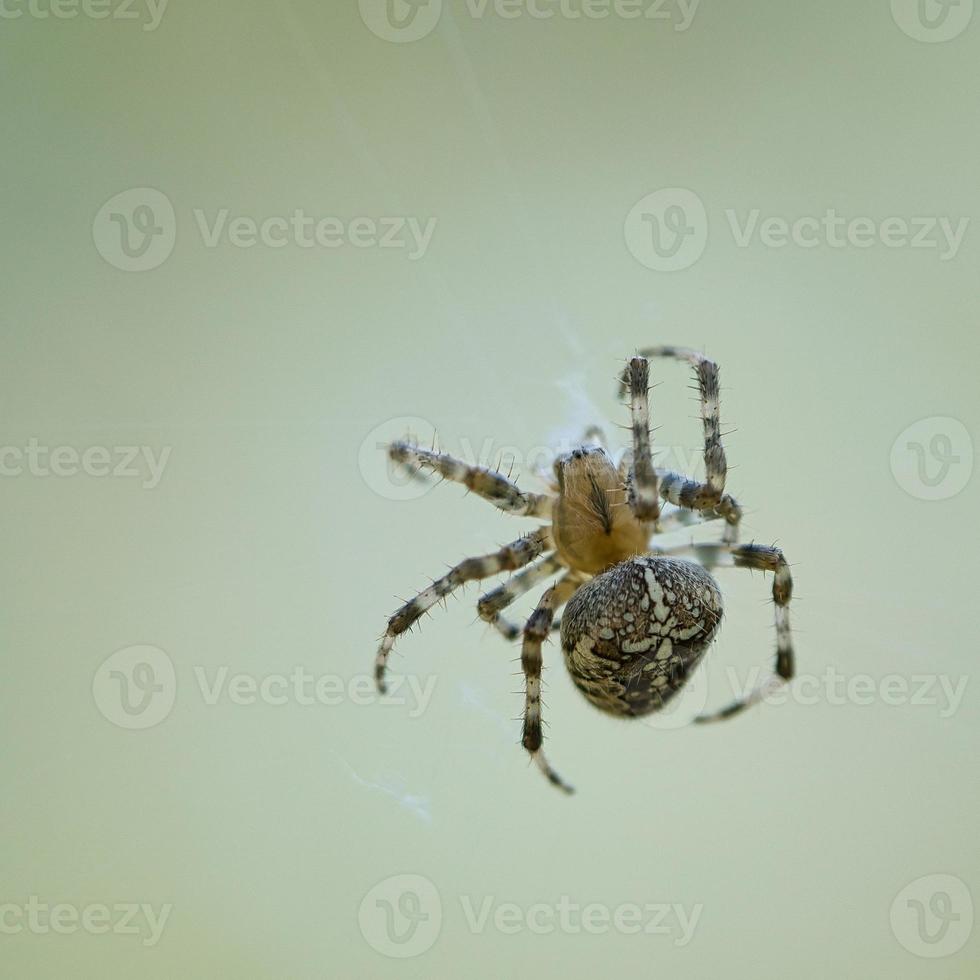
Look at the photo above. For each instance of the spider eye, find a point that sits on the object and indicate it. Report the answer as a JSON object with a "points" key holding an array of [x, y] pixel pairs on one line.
{"points": [[631, 635]]}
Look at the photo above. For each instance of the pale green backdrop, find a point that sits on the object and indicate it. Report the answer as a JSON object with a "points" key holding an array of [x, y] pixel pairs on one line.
{"points": [[262, 823]]}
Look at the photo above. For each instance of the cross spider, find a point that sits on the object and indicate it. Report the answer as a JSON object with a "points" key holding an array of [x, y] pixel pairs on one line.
{"points": [[638, 618]]}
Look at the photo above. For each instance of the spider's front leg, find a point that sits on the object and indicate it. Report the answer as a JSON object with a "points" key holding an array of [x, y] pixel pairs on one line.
{"points": [[644, 498], [708, 497], [536, 631], [511, 557], [501, 492]]}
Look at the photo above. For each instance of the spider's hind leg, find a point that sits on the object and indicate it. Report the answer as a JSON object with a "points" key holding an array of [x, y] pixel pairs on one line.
{"points": [[535, 633], [515, 555], [768, 560]]}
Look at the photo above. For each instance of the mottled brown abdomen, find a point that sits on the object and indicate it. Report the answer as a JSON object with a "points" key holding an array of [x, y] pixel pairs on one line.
{"points": [[633, 634]]}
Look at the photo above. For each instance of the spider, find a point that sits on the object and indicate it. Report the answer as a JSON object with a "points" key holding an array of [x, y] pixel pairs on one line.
{"points": [[638, 618]]}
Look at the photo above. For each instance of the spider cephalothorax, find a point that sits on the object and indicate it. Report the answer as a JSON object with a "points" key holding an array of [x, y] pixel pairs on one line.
{"points": [[639, 617]]}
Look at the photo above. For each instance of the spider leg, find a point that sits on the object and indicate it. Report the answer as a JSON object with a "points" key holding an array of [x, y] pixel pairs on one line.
{"points": [[492, 486], [682, 491], [644, 496], [515, 555], [679, 490], [768, 560], [707, 377], [535, 632], [494, 602]]}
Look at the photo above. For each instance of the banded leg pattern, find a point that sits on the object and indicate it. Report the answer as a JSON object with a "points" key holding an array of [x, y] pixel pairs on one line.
{"points": [[766, 559], [511, 557], [501, 492]]}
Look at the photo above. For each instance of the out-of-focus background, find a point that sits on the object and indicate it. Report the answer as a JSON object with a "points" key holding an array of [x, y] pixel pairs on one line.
{"points": [[244, 244]]}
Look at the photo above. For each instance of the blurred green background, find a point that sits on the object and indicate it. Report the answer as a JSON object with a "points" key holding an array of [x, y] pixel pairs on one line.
{"points": [[262, 824]]}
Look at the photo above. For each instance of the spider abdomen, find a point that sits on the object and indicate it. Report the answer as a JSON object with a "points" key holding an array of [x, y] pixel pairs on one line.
{"points": [[632, 635]]}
